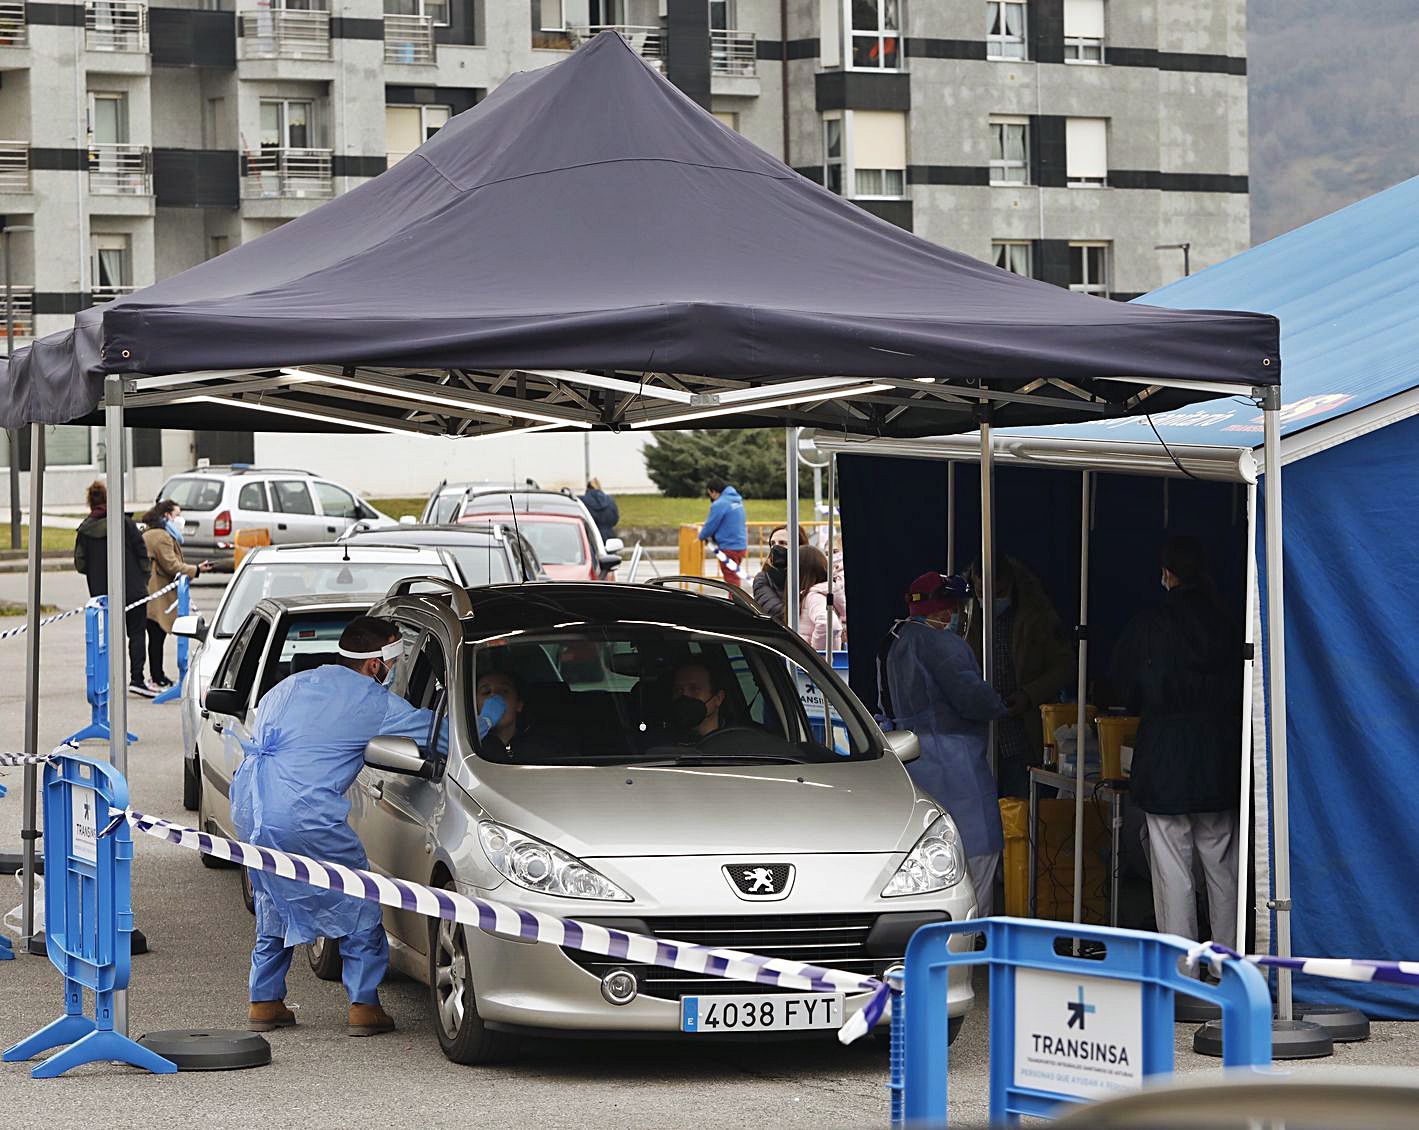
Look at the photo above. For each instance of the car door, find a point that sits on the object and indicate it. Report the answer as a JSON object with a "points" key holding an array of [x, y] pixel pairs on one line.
{"points": [[296, 519], [337, 506], [221, 735], [397, 811]]}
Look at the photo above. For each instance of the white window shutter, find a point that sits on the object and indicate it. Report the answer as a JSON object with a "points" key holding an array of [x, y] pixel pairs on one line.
{"points": [[879, 139], [830, 22], [1084, 19], [403, 132], [1086, 153]]}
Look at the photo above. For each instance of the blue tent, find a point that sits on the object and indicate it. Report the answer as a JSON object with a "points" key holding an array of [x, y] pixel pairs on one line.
{"points": [[1346, 291]]}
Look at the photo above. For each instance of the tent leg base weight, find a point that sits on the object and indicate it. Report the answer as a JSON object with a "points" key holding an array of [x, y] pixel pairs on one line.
{"points": [[138, 942], [1192, 1010], [1290, 1039], [36, 945], [209, 1049], [1345, 1025]]}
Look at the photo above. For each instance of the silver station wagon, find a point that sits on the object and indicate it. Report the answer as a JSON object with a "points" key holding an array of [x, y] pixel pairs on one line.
{"points": [[668, 763]]}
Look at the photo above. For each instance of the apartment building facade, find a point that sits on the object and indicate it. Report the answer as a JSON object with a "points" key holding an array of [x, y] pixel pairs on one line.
{"points": [[1064, 139]]}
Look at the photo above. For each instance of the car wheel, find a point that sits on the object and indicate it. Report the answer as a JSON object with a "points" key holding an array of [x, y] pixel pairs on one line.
{"points": [[462, 1034], [248, 896], [191, 785], [323, 954]]}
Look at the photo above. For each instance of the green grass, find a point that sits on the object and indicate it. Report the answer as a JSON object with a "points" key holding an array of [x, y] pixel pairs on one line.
{"points": [[55, 539], [642, 509], [11, 608]]}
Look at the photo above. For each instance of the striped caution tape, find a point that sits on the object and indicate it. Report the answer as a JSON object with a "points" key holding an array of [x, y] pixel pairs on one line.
{"points": [[8, 760], [90, 603], [725, 560], [1336, 968], [526, 925]]}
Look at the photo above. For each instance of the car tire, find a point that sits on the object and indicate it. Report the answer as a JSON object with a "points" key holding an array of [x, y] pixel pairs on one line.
{"points": [[462, 1034], [191, 785], [323, 955], [248, 896]]}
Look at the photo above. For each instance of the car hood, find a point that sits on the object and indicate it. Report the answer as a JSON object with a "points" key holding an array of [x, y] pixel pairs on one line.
{"points": [[609, 811]]}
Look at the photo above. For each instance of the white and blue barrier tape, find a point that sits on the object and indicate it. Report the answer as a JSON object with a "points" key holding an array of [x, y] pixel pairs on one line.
{"points": [[1336, 968], [56, 617], [528, 925], [725, 560], [8, 760]]}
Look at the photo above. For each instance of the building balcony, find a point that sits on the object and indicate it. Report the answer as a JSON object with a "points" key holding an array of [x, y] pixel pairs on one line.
{"points": [[14, 166], [14, 26], [287, 174], [409, 39], [109, 293], [279, 34], [734, 53], [647, 42], [116, 25], [119, 169], [21, 310]]}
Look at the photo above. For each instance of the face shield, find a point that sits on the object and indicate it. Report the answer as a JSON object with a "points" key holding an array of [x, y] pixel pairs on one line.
{"points": [[389, 655]]}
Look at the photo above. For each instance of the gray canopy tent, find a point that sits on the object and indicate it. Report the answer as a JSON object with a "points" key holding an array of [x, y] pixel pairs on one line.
{"points": [[588, 248]]}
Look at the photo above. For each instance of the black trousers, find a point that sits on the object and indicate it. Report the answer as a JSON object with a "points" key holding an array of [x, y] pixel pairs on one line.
{"points": [[135, 620], [156, 638]]}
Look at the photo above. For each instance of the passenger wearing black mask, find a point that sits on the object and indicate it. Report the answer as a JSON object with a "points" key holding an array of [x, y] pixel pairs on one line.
{"points": [[768, 584]]}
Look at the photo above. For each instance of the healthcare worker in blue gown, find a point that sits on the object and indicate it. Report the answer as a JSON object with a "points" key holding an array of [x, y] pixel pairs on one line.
{"points": [[930, 684], [289, 793]]}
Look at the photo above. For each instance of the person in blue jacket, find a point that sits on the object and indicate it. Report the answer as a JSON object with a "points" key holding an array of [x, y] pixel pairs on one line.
{"points": [[307, 747], [725, 526], [930, 684]]}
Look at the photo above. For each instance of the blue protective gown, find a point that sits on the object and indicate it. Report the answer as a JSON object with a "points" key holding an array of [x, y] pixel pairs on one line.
{"points": [[938, 693], [307, 748]]}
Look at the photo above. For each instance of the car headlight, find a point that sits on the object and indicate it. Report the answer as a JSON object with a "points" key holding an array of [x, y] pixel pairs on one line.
{"points": [[936, 862], [538, 866]]}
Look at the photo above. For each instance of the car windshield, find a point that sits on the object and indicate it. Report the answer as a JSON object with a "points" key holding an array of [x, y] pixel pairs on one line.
{"points": [[194, 494], [556, 543], [446, 507], [661, 694], [482, 564], [312, 578], [497, 502]]}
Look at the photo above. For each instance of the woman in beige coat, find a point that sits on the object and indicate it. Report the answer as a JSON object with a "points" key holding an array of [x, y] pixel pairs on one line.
{"points": [[163, 539]]}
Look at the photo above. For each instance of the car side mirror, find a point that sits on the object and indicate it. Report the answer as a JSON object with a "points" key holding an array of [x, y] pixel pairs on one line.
{"points": [[193, 626], [223, 700], [904, 744], [608, 562], [408, 520], [398, 755], [614, 545]]}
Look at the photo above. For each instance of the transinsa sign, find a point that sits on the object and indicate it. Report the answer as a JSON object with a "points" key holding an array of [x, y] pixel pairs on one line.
{"points": [[1077, 1036]]}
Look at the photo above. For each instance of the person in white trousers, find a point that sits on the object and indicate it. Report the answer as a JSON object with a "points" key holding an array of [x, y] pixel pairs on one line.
{"points": [[1178, 666]]}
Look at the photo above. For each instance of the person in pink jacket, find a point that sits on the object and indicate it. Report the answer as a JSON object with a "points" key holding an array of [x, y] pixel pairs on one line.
{"points": [[813, 615]]}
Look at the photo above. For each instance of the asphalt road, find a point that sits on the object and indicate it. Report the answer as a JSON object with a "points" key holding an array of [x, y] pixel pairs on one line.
{"points": [[195, 977]]}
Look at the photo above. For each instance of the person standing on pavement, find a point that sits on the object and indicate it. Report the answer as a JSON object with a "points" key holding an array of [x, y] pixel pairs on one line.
{"points": [[603, 509], [725, 525], [930, 683], [306, 748], [769, 581], [1178, 667], [1033, 664], [162, 537], [91, 559]]}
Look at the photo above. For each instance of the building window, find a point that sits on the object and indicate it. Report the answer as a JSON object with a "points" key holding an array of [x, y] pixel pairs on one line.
{"points": [[218, 245], [65, 445], [286, 124], [1009, 150], [1086, 152], [721, 15], [408, 127], [1089, 268], [1012, 255], [876, 29], [729, 117], [551, 15], [865, 153], [1083, 31], [1005, 30], [435, 10], [108, 118], [110, 266]]}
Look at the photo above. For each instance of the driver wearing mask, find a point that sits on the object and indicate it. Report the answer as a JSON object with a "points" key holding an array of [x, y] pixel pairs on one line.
{"points": [[696, 702]]}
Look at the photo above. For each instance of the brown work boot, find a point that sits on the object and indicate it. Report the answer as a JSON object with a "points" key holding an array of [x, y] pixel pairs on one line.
{"points": [[267, 1016], [369, 1020]]}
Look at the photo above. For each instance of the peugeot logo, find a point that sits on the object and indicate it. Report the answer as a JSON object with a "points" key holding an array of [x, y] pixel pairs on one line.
{"points": [[760, 882]]}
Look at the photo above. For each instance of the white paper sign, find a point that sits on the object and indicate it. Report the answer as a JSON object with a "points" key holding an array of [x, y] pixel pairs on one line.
{"points": [[1076, 1035], [83, 820]]}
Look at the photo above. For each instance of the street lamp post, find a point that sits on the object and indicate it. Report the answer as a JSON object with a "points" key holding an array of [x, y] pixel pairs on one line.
{"points": [[12, 434], [1185, 248]]}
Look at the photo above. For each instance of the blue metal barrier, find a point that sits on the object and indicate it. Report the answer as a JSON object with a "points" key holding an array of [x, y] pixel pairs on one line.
{"points": [[7, 952], [88, 917], [96, 688], [184, 606], [1064, 1029]]}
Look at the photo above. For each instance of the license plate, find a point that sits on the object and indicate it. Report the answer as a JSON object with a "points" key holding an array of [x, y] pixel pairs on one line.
{"points": [[761, 1012]]}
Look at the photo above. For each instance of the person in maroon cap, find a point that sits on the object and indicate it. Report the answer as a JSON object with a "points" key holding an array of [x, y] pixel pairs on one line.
{"points": [[929, 683]]}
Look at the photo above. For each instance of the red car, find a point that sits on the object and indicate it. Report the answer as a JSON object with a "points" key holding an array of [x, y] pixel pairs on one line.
{"points": [[562, 542]]}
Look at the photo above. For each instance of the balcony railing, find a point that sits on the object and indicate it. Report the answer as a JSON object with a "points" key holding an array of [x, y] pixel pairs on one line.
{"points": [[408, 39], [287, 174], [14, 28], [109, 293], [14, 166], [21, 309], [733, 53], [281, 34], [645, 41], [120, 170], [115, 25]]}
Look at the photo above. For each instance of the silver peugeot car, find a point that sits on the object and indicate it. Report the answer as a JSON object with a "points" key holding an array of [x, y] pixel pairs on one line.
{"points": [[667, 763]]}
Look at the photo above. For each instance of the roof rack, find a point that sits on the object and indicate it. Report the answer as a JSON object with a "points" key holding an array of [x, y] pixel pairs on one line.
{"points": [[734, 592], [462, 606], [247, 468]]}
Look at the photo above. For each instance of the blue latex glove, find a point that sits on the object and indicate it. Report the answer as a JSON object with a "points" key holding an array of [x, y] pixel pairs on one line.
{"points": [[494, 707]]}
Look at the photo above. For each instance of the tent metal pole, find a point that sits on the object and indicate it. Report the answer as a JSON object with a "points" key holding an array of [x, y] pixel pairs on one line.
{"points": [[29, 833], [832, 500], [987, 571], [791, 581], [117, 623], [951, 516], [1244, 797], [1276, 660], [1080, 743]]}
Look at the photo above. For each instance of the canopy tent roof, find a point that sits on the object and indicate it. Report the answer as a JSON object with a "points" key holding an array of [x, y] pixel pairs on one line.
{"points": [[589, 248]]}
